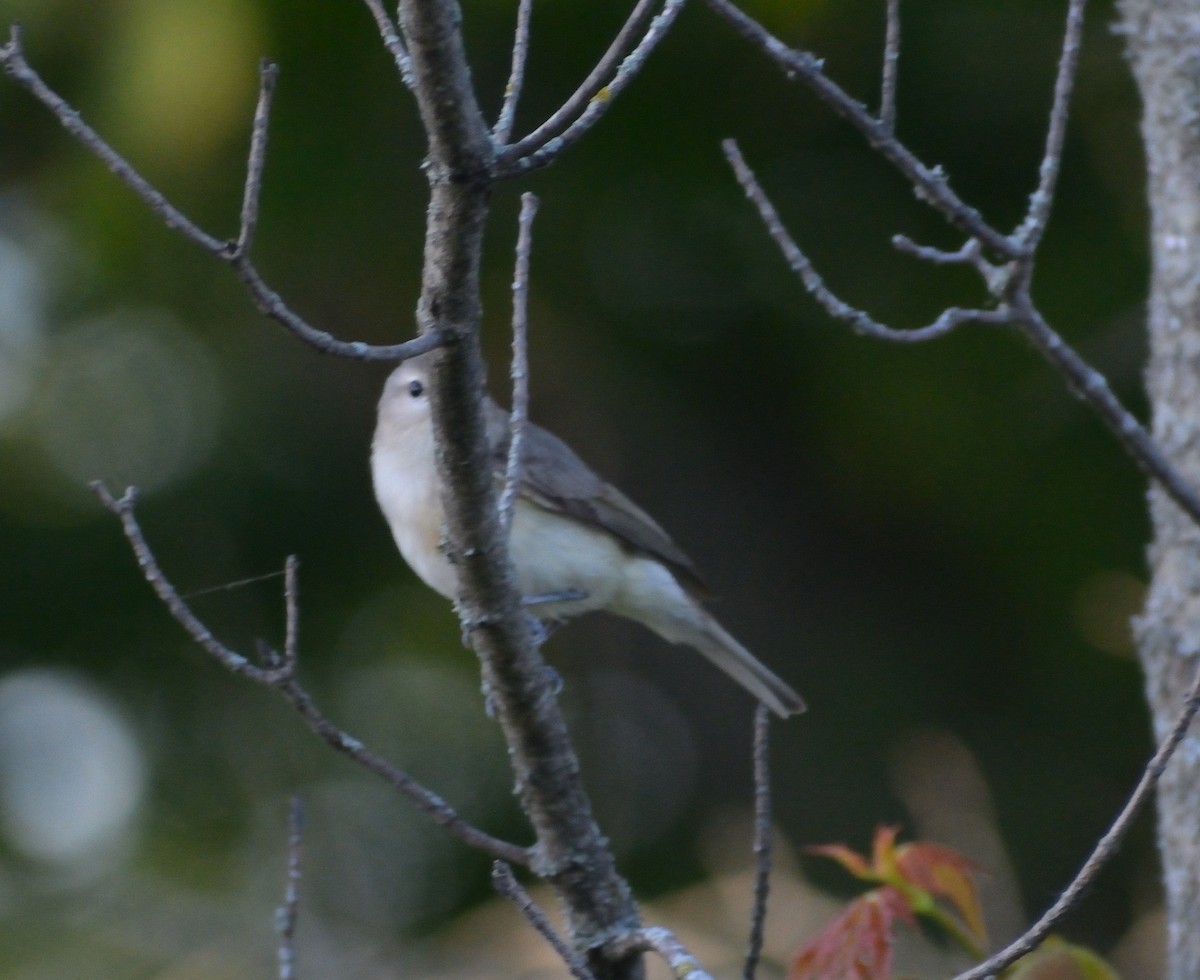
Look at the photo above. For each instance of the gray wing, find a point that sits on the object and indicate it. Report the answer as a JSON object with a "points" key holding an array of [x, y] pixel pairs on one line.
{"points": [[555, 478]]}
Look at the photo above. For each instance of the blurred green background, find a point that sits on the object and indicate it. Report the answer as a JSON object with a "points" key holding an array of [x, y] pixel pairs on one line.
{"points": [[937, 545]]}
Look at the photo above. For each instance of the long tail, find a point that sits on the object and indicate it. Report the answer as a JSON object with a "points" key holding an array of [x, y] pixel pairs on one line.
{"points": [[653, 596], [710, 638]]}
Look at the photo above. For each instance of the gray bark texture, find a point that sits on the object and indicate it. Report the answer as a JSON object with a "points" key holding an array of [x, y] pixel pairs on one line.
{"points": [[571, 853], [1163, 38]]}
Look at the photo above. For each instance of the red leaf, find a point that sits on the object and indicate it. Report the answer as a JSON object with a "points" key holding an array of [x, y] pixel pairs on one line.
{"points": [[945, 873], [857, 945], [852, 861]]}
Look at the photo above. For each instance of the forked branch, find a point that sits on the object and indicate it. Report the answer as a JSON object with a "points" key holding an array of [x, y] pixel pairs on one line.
{"points": [[280, 675], [1009, 282], [584, 109], [588, 89], [235, 252], [506, 884]]}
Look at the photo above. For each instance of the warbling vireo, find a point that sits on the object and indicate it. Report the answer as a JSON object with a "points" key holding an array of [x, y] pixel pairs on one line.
{"points": [[578, 543]]}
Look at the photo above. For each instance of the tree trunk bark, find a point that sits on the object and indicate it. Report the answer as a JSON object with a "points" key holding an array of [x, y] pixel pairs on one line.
{"points": [[1163, 39]]}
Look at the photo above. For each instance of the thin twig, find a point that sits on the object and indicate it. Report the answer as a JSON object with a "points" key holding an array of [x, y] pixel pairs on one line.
{"points": [[123, 509], [267, 75], [656, 939], [1105, 848], [281, 677], [1030, 232], [390, 36], [520, 363], [291, 602], [513, 161], [506, 884], [605, 68], [997, 278], [891, 66], [516, 77], [969, 254], [762, 840], [266, 300], [860, 321], [289, 911]]}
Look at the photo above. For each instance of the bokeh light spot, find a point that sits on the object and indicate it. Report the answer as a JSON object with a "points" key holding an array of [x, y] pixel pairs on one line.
{"points": [[71, 775], [131, 398]]}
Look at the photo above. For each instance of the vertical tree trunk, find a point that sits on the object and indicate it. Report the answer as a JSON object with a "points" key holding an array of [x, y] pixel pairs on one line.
{"points": [[1163, 38]]}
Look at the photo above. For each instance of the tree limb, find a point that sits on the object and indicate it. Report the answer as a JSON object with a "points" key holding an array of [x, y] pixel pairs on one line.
{"points": [[571, 852], [597, 104], [1103, 851], [280, 675], [267, 301]]}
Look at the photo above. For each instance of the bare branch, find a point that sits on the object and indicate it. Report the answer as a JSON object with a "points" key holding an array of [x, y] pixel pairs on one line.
{"points": [[520, 363], [267, 75], [513, 161], [235, 662], [1105, 848], [969, 254], [505, 882], [858, 320], [289, 911], [891, 66], [1009, 282], [1093, 389], [1030, 232], [570, 110], [571, 853], [390, 36], [12, 57], [656, 939], [762, 840], [267, 301], [929, 183], [291, 599], [516, 78], [282, 679], [271, 304]]}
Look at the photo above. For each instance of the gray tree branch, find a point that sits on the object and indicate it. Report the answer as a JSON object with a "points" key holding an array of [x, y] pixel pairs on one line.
{"points": [[571, 853], [280, 675], [1169, 628], [235, 253]]}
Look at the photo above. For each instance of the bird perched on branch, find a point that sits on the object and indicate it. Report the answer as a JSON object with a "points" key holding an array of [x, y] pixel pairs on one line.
{"points": [[577, 544]]}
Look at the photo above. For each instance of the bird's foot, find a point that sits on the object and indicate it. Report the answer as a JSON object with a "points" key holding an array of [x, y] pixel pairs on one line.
{"points": [[543, 629], [566, 595]]}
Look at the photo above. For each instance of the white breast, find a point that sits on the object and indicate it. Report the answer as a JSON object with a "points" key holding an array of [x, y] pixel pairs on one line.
{"points": [[402, 468]]}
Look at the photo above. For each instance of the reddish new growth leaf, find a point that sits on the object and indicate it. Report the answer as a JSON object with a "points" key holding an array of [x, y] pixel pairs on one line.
{"points": [[857, 945], [912, 877], [944, 873]]}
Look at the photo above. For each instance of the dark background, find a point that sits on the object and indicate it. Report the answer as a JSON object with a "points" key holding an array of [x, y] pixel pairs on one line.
{"points": [[937, 545]]}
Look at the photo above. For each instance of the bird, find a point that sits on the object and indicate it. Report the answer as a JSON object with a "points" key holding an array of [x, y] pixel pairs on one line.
{"points": [[577, 543]]}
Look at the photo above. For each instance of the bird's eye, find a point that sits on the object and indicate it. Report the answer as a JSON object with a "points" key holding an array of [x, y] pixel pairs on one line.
{"points": [[416, 389]]}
